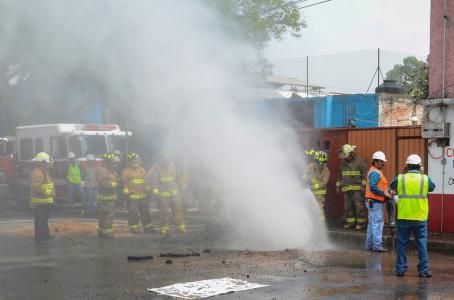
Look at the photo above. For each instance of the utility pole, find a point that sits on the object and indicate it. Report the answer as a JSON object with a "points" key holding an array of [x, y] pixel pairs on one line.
{"points": [[378, 68], [377, 72], [307, 77]]}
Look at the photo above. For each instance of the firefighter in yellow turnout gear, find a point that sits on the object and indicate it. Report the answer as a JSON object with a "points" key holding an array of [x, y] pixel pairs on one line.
{"points": [[316, 176], [42, 192], [351, 180], [107, 181], [164, 181], [133, 178]]}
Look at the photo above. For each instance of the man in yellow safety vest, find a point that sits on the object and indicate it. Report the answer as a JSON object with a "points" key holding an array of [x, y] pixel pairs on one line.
{"points": [[412, 213]]}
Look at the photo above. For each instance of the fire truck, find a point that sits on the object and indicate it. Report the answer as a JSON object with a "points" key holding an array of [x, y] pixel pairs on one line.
{"points": [[58, 140]]}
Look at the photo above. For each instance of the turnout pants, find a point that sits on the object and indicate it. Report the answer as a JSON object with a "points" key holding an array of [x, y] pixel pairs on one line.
{"points": [[106, 215], [167, 203], [321, 203], [354, 208], [41, 212], [138, 211]]}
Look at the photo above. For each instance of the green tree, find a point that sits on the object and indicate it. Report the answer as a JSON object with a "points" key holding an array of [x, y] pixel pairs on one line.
{"points": [[257, 22], [413, 76]]}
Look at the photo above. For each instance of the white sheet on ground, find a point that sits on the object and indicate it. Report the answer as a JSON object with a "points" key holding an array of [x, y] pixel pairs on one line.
{"points": [[206, 288]]}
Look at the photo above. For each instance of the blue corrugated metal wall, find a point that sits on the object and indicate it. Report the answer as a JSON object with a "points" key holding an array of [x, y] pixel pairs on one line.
{"points": [[358, 110]]}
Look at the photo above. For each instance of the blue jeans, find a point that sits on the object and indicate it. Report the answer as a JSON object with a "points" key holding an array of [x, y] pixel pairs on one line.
{"points": [[90, 201], [74, 191], [375, 225], [404, 229]]}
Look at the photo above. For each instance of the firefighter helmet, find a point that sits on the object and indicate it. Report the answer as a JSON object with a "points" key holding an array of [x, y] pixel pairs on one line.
{"points": [[346, 150], [132, 157], [321, 157], [43, 157], [111, 157]]}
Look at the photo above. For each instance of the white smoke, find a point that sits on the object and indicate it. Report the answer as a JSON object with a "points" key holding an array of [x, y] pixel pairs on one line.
{"points": [[171, 64]]}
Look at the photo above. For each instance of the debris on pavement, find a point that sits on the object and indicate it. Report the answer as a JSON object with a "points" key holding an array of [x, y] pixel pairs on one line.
{"points": [[76, 241], [169, 262], [176, 255], [139, 258], [206, 288]]}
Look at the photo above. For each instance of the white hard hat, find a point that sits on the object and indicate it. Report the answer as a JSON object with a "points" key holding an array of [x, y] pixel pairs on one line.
{"points": [[90, 157], [43, 157], [414, 159], [379, 155], [71, 155]]}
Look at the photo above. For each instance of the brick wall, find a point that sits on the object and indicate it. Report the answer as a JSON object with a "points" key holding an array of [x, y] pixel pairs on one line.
{"points": [[436, 49], [398, 110]]}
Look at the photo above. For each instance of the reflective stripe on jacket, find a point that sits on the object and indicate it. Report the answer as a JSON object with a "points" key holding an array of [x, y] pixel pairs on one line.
{"points": [[134, 184], [413, 189], [106, 183], [42, 189], [352, 175], [317, 177]]}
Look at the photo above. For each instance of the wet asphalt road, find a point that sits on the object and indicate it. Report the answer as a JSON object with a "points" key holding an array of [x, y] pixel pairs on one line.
{"points": [[80, 266]]}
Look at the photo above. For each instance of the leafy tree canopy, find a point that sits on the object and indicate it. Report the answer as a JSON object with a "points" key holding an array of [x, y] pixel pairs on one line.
{"points": [[259, 21], [413, 76]]}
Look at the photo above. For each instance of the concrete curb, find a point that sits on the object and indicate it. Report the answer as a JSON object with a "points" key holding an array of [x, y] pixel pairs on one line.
{"points": [[358, 238]]}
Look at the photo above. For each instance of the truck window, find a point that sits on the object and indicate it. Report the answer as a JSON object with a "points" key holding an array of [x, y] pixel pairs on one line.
{"points": [[82, 145], [26, 149], [58, 147], [39, 145], [117, 143]]}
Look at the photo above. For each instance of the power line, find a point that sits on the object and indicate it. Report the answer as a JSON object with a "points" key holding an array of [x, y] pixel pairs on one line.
{"points": [[283, 5], [314, 4], [293, 3]]}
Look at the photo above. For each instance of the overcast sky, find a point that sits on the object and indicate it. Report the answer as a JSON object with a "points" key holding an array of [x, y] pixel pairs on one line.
{"points": [[352, 25], [341, 39]]}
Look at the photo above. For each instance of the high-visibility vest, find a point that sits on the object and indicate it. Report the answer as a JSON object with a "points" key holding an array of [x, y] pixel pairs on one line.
{"points": [[382, 185], [74, 174], [413, 189]]}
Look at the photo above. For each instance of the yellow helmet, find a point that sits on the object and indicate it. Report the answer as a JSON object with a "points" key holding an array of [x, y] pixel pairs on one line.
{"points": [[111, 157], [310, 154], [345, 150], [321, 157], [132, 157], [43, 157]]}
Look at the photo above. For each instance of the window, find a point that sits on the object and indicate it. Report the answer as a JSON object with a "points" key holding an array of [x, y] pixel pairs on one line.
{"points": [[59, 149], [82, 145], [26, 149], [117, 142], [39, 145], [327, 145]]}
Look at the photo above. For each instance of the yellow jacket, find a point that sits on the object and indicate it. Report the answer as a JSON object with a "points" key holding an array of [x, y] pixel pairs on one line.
{"points": [[42, 189], [134, 182], [164, 179], [317, 177], [107, 183]]}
